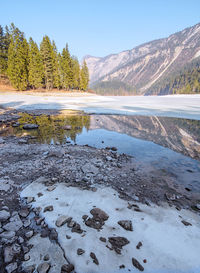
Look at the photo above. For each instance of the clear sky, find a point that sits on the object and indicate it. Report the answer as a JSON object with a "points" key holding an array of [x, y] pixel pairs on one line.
{"points": [[99, 27]]}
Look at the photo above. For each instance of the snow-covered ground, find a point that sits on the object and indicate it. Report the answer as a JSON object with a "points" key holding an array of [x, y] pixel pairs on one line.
{"points": [[168, 246], [185, 106]]}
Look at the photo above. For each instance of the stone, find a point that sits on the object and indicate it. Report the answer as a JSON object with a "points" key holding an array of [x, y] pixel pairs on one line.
{"points": [[186, 223], [46, 257], [80, 251], [4, 185], [29, 126], [43, 267], [24, 212], [138, 246], [53, 234], [118, 243], [94, 258], [29, 200], [26, 257], [11, 267], [89, 168], [77, 228], [20, 240], [126, 224], [51, 188], [29, 234], [48, 208], [68, 237], [67, 268], [29, 269], [27, 223], [7, 235], [109, 158], [61, 220], [4, 215], [98, 219], [137, 264], [15, 224], [8, 254], [102, 239]]}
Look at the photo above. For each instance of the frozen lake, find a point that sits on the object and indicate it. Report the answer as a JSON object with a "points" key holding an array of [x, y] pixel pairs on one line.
{"points": [[182, 106]]}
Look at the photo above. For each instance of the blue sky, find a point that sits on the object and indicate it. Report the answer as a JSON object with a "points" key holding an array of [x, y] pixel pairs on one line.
{"points": [[99, 27]]}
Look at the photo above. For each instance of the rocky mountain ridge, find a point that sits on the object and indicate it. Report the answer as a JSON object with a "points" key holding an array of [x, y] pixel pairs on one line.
{"points": [[141, 67]]}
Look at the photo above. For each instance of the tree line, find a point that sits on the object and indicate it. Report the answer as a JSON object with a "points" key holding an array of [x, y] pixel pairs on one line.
{"points": [[28, 66]]}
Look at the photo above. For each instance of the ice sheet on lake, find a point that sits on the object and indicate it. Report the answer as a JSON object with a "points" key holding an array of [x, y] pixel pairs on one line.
{"points": [[185, 106], [168, 245]]}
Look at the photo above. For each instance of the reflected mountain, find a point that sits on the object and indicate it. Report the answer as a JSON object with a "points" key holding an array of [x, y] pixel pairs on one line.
{"points": [[180, 135]]}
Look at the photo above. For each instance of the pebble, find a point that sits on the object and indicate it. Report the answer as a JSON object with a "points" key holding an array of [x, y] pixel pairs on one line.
{"points": [[126, 224], [43, 267], [51, 188], [24, 212], [7, 234], [29, 200], [137, 264], [46, 257], [11, 267], [67, 268], [27, 223], [29, 269], [61, 220], [4, 215], [139, 245], [29, 234], [80, 251], [26, 257], [93, 256], [48, 208]]}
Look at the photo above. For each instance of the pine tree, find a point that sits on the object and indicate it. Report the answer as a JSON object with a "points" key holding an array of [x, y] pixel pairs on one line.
{"points": [[56, 67], [46, 53], [76, 73], [18, 59], [35, 66], [84, 77], [66, 70], [4, 44]]}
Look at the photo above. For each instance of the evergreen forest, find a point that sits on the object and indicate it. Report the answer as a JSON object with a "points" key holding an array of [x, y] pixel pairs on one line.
{"points": [[29, 66]]}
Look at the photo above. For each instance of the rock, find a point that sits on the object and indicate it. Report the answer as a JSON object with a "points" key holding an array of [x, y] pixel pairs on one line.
{"points": [[24, 212], [51, 188], [11, 267], [67, 127], [30, 126], [29, 269], [29, 234], [113, 149], [43, 267], [4, 215], [138, 246], [137, 264], [39, 194], [67, 268], [186, 223], [7, 235], [27, 223], [29, 200], [77, 228], [170, 197], [93, 256], [80, 251], [26, 257], [117, 243], [46, 257], [8, 254], [126, 224], [89, 168], [15, 224], [98, 219], [109, 158], [102, 239], [48, 208], [20, 240], [68, 237], [198, 206], [16, 248], [61, 220], [22, 141], [53, 234]]}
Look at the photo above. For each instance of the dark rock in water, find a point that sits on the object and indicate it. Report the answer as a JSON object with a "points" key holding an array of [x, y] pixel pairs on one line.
{"points": [[98, 219], [139, 245], [126, 224], [186, 223], [80, 251], [48, 208], [117, 243], [67, 268], [137, 264], [95, 260], [30, 126]]}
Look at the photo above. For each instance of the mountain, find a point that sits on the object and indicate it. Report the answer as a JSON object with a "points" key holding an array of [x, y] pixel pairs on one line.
{"points": [[139, 70]]}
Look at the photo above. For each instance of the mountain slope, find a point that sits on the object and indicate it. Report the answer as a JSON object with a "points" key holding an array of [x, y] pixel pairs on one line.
{"points": [[145, 65]]}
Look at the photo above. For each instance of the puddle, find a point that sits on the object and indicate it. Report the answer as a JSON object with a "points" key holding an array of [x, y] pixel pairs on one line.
{"points": [[168, 145]]}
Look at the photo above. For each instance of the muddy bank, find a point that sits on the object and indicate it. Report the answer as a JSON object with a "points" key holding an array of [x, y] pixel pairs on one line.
{"points": [[76, 167]]}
